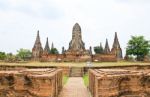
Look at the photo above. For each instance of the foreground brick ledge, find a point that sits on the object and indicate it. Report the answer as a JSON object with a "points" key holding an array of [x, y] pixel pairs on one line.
{"points": [[31, 83], [119, 83]]}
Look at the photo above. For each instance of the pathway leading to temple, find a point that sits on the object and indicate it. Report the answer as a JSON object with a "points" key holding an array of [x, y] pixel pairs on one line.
{"points": [[74, 88]]}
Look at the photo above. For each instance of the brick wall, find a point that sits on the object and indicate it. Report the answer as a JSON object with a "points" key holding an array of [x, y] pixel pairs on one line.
{"points": [[119, 83], [30, 82], [80, 58], [104, 58]]}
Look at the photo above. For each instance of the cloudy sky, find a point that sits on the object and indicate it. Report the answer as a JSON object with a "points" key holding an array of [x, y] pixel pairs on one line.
{"points": [[99, 19]]}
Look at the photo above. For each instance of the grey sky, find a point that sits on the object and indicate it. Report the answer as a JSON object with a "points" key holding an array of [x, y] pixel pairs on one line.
{"points": [[99, 19]]}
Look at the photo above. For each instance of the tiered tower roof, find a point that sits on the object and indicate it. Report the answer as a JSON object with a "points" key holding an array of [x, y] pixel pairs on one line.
{"points": [[37, 49], [116, 42], [116, 49], [107, 49], [47, 49]]}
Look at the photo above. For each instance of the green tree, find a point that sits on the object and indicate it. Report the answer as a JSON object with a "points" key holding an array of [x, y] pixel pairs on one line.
{"points": [[54, 51], [98, 50], [138, 47], [24, 54], [2, 55]]}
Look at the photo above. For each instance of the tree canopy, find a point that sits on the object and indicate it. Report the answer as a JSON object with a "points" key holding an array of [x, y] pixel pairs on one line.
{"points": [[2, 55], [54, 51], [98, 50], [138, 46], [24, 54]]}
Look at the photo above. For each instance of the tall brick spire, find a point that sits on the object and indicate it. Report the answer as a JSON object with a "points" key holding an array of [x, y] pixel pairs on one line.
{"points": [[37, 49], [116, 49], [63, 50], [37, 41], [116, 42], [101, 46], [106, 50], [47, 49]]}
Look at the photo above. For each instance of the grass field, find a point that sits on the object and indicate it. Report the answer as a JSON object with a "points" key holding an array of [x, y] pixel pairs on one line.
{"points": [[72, 64]]}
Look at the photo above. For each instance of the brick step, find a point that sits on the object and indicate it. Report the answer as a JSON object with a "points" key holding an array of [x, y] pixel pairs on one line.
{"points": [[76, 72]]}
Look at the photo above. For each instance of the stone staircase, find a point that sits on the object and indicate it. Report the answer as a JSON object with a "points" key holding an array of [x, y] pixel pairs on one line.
{"points": [[76, 72]]}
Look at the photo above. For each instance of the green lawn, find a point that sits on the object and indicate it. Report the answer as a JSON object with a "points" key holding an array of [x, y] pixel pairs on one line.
{"points": [[72, 64], [65, 79], [86, 79]]}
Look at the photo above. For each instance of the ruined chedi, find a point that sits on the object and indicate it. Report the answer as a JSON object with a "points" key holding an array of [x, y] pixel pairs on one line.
{"points": [[107, 49], [47, 48], [116, 49], [76, 45], [37, 49], [76, 51]]}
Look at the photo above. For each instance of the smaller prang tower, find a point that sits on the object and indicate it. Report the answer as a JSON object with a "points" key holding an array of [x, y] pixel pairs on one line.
{"points": [[37, 49], [47, 48], [116, 49], [106, 49]]}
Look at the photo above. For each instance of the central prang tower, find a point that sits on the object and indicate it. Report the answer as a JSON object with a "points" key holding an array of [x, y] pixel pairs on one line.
{"points": [[76, 45]]}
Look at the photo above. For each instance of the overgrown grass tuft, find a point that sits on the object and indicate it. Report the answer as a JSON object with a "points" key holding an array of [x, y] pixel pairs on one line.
{"points": [[65, 79], [86, 80]]}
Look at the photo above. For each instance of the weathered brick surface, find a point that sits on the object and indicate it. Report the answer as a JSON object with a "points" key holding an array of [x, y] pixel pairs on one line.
{"points": [[66, 70], [104, 57], [119, 83], [79, 58], [31, 83]]}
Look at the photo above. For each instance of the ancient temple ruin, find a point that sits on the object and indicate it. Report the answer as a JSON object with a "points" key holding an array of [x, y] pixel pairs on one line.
{"points": [[76, 51]]}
